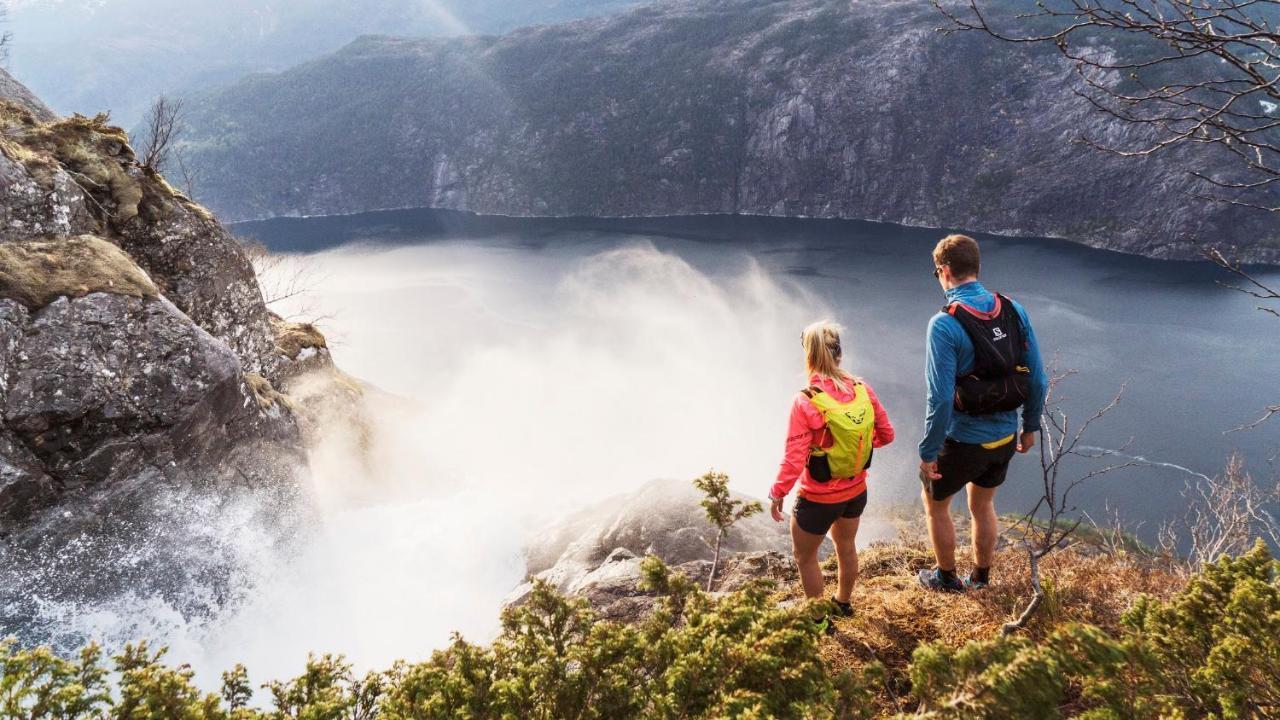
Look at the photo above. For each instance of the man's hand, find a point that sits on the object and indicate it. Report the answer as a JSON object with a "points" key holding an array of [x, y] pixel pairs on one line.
{"points": [[775, 509], [929, 470], [1026, 441]]}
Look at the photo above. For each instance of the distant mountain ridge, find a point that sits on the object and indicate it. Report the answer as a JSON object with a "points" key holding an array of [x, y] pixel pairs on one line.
{"points": [[90, 56], [818, 108]]}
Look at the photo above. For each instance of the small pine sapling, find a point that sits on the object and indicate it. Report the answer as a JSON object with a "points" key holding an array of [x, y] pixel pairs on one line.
{"points": [[722, 511]]}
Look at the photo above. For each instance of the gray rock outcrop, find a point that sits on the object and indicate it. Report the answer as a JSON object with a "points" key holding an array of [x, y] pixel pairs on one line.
{"points": [[596, 553], [139, 375], [662, 518], [18, 94]]}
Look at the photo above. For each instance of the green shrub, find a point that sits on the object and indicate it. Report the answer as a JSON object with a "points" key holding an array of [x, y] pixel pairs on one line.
{"points": [[1211, 651]]}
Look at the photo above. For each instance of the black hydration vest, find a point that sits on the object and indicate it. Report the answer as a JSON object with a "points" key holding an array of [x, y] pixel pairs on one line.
{"points": [[1000, 380]]}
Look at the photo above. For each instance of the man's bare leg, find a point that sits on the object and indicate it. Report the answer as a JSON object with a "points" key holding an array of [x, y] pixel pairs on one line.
{"points": [[942, 531], [986, 525]]}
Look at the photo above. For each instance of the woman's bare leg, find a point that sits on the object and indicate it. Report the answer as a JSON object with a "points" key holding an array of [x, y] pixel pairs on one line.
{"points": [[845, 533], [806, 546]]}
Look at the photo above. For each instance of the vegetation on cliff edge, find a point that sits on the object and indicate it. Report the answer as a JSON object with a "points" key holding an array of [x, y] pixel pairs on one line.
{"points": [[1208, 649]]}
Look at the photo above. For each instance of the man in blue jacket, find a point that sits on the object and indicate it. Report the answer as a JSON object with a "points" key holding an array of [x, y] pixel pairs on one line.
{"points": [[982, 363]]}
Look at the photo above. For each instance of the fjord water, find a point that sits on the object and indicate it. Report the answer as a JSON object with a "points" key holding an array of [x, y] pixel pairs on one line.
{"points": [[1194, 359], [536, 366]]}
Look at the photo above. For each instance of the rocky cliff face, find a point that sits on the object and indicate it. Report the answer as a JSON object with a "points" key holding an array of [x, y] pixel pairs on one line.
{"points": [[141, 375], [821, 108]]}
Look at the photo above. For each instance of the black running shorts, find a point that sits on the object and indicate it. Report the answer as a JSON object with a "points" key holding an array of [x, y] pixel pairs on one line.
{"points": [[961, 463], [817, 518]]}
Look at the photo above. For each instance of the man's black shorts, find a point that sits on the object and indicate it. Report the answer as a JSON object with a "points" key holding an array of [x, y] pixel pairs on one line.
{"points": [[817, 518], [961, 463]]}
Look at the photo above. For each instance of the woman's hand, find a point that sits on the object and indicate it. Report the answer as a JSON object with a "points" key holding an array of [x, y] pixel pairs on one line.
{"points": [[775, 509]]}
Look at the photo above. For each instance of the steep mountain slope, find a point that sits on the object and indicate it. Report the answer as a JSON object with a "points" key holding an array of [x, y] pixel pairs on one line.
{"points": [[804, 108], [89, 56]]}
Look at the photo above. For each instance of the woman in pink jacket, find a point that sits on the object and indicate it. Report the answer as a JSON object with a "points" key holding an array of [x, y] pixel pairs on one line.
{"points": [[828, 503]]}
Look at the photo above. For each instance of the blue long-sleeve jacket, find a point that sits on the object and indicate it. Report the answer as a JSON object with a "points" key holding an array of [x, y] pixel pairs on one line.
{"points": [[949, 354]]}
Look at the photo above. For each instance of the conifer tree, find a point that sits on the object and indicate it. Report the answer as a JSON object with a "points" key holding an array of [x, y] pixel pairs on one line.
{"points": [[722, 511]]}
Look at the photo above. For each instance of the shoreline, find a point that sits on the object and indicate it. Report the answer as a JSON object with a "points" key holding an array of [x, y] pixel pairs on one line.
{"points": [[467, 220]]}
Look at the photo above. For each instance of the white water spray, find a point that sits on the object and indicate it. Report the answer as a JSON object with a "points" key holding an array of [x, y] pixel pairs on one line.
{"points": [[537, 382]]}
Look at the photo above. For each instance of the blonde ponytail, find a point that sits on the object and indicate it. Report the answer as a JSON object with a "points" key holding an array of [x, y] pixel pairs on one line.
{"points": [[822, 353]]}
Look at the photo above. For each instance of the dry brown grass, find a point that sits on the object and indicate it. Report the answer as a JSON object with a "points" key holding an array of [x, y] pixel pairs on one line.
{"points": [[36, 272], [893, 615], [96, 155], [292, 338], [265, 393]]}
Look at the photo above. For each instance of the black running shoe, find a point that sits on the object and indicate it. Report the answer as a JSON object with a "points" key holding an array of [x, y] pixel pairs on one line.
{"points": [[845, 609]]}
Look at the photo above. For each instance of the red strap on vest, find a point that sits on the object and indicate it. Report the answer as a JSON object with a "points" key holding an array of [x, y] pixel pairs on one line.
{"points": [[995, 309]]}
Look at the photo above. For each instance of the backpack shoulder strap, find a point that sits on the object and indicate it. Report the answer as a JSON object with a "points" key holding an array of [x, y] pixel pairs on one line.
{"points": [[810, 391]]}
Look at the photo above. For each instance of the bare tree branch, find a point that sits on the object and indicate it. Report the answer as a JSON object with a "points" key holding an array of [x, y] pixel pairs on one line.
{"points": [[1053, 521], [283, 278], [1255, 288], [164, 124], [1224, 516], [1185, 72]]}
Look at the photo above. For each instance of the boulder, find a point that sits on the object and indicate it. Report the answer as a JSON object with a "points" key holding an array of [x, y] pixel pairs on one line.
{"points": [[104, 387], [663, 518], [596, 553]]}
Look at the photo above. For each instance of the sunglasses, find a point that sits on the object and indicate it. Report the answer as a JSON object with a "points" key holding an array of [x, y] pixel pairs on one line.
{"points": [[937, 270]]}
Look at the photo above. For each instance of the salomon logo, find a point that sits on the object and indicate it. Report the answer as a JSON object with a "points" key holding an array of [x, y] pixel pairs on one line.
{"points": [[999, 334]]}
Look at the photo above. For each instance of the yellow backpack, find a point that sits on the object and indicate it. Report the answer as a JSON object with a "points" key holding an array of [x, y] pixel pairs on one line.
{"points": [[852, 426]]}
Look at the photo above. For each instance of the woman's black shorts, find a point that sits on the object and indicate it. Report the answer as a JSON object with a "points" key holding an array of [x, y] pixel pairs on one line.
{"points": [[817, 518]]}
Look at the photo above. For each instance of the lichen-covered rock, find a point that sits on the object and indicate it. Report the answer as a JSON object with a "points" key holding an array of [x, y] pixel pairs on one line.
{"points": [[205, 272], [140, 415], [130, 438], [300, 348], [596, 553], [104, 387], [614, 590], [30, 208], [78, 175]]}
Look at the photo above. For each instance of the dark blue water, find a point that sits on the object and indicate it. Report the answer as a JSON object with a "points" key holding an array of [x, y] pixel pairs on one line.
{"points": [[1195, 359]]}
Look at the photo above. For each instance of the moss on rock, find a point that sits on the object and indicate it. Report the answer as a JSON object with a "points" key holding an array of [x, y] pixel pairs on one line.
{"points": [[292, 338], [265, 393], [98, 157], [36, 272]]}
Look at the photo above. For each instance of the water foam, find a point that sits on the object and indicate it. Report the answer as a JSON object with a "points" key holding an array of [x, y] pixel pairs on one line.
{"points": [[539, 381]]}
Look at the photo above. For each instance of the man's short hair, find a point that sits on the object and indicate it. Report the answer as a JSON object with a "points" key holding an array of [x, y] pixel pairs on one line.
{"points": [[960, 253]]}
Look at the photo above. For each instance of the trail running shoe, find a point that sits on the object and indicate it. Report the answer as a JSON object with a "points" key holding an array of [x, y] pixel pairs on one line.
{"points": [[971, 584], [933, 580], [824, 626], [845, 609]]}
